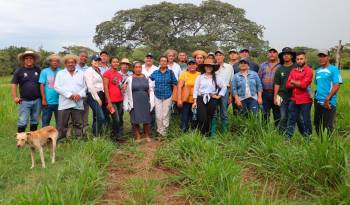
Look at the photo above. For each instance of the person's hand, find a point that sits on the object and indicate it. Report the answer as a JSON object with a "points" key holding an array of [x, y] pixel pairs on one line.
{"points": [[275, 100], [194, 105], [216, 96], [109, 106], [327, 105], [239, 104], [99, 102], [229, 100], [260, 101], [179, 104], [124, 87], [44, 102], [77, 98], [72, 97], [17, 100]]}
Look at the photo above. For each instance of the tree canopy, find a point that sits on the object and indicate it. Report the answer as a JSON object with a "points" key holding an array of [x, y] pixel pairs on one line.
{"points": [[184, 27]]}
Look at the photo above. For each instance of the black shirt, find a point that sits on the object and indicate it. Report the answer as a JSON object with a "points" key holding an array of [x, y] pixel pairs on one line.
{"points": [[28, 81]]}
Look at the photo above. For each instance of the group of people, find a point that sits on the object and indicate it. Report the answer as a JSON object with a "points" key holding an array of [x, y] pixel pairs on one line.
{"points": [[199, 89]]}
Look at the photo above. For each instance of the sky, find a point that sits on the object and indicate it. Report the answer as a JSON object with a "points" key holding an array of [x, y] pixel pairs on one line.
{"points": [[53, 24]]}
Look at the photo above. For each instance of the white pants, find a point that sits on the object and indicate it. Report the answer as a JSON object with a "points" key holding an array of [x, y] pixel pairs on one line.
{"points": [[163, 108]]}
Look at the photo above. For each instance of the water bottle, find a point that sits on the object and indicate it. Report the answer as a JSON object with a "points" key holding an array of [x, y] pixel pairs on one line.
{"points": [[194, 114]]}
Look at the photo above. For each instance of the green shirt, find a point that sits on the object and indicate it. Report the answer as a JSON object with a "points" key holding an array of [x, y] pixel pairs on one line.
{"points": [[281, 78]]}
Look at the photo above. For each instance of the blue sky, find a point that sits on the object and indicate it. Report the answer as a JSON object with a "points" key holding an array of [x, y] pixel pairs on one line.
{"points": [[53, 24]]}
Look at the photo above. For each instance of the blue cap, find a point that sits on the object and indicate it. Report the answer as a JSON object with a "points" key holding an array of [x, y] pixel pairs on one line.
{"points": [[191, 61], [96, 57], [243, 60]]}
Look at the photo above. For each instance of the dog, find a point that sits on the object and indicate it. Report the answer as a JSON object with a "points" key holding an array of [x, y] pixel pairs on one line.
{"points": [[36, 140]]}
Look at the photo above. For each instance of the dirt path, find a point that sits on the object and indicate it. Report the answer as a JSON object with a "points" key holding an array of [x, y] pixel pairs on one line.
{"points": [[136, 163]]}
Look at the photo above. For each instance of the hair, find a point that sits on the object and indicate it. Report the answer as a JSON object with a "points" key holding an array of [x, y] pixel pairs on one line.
{"points": [[136, 63], [104, 52], [163, 57], [167, 52], [83, 52], [301, 53], [112, 58], [183, 52]]}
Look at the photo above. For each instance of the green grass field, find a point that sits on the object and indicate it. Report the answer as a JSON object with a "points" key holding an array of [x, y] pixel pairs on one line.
{"points": [[250, 165]]}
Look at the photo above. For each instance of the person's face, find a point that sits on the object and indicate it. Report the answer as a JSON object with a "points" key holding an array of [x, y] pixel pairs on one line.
{"points": [[70, 64], [104, 58], [149, 60], [115, 63], [219, 57], [138, 69], [124, 67], [272, 55], [54, 63], [243, 66], [301, 60], [233, 56], [171, 57], [163, 62], [192, 67], [208, 69], [83, 57], [28, 61], [323, 60], [199, 59], [244, 54], [96, 63], [287, 57], [182, 57], [211, 57]]}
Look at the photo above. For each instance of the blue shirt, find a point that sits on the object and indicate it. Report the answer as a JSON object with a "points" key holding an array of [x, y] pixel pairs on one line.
{"points": [[84, 68], [239, 83], [164, 83], [325, 79], [47, 77]]}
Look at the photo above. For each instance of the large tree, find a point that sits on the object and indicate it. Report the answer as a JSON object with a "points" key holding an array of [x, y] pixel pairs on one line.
{"points": [[185, 27]]}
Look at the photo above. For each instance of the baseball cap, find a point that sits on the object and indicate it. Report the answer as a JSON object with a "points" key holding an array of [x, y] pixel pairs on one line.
{"points": [[96, 57]]}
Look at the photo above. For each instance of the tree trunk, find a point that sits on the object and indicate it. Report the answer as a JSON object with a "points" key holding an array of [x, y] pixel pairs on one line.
{"points": [[337, 55]]}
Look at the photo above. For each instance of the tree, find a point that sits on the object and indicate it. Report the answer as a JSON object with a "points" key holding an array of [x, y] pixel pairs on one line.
{"points": [[76, 50], [185, 27]]}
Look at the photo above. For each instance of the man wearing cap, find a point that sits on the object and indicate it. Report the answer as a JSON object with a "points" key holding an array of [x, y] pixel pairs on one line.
{"points": [[27, 77], [124, 69], [245, 54], [182, 60], [49, 96], [104, 62], [211, 56], [267, 74], [70, 85], [225, 74], [82, 65], [148, 68], [328, 81], [233, 57]]}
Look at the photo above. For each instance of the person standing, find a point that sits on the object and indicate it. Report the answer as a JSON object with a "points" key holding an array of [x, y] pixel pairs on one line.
{"points": [[299, 81], [208, 90], [245, 54], [185, 94], [224, 74], [328, 81], [104, 62], [182, 59], [124, 69], [27, 77], [247, 89], [164, 79], [139, 101], [172, 65], [49, 96], [70, 85], [82, 65], [267, 74]]}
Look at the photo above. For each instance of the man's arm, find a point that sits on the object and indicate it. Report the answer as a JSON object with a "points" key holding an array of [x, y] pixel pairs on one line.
{"points": [[14, 94], [334, 91]]}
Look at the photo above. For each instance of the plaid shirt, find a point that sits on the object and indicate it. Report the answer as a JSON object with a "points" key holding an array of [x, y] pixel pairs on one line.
{"points": [[267, 75], [163, 83]]}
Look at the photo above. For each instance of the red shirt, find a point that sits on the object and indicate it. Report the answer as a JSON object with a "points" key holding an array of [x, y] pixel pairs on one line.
{"points": [[114, 84], [301, 94]]}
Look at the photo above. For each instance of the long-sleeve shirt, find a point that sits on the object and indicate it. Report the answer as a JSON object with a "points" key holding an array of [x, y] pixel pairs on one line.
{"points": [[67, 85], [205, 87], [94, 82], [163, 83], [301, 95], [241, 84]]}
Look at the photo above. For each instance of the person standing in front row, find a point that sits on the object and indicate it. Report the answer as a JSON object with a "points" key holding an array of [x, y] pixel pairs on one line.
{"points": [[207, 92], [70, 85], [164, 80], [328, 81], [139, 101], [299, 81], [49, 96], [112, 84], [247, 89], [27, 77]]}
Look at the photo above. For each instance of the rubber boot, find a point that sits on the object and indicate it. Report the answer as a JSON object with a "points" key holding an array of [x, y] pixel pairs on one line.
{"points": [[21, 129], [33, 127], [224, 126], [212, 134]]}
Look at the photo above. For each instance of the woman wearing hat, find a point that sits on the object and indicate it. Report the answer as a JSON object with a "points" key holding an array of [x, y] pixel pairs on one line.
{"points": [[185, 93], [199, 56], [27, 77], [139, 101], [207, 91]]}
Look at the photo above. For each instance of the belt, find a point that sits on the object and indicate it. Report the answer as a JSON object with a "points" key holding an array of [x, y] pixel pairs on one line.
{"points": [[268, 90]]}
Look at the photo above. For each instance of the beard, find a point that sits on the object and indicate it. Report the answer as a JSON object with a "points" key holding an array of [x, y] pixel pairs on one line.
{"points": [[301, 65]]}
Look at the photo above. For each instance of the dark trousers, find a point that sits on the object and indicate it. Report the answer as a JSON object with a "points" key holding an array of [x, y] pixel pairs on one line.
{"points": [[76, 117], [282, 126], [98, 115], [117, 120], [324, 119], [294, 111], [47, 115], [205, 112], [186, 117], [249, 105], [269, 105]]}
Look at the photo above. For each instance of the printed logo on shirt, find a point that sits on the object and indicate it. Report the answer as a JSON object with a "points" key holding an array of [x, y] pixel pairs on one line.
{"points": [[282, 74], [25, 75], [50, 81], [36, 73]]}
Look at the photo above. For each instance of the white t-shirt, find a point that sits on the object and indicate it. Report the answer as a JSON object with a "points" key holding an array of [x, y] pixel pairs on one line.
{"points": [[176, 69]]}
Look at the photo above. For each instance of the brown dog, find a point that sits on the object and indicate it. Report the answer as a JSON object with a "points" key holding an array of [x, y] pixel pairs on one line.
{"points": [[37, 139]]}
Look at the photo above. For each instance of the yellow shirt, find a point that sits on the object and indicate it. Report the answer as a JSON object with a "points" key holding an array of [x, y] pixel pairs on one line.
{"points": [[189, 79]]}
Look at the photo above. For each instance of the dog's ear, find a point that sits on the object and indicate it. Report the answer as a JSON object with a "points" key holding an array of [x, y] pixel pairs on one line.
{"points": [[28, 134]]}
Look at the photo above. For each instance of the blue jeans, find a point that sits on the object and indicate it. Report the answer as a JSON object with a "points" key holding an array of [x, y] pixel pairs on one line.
{"points": [[249, 105], [47, 114], [268, 105], [29, 109], [98, 116], [186, 117], [294, 116], [222, 108], [282, 127]]}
